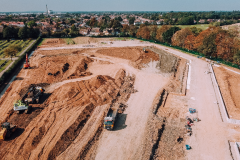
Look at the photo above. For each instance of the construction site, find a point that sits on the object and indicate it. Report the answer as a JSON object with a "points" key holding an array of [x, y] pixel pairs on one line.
{"points": [[74, 89]]}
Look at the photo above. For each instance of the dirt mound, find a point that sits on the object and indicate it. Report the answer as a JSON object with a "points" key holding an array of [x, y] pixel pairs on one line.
{"points": [[69, 108], [53, 41], [134, 54], [54, 68]]}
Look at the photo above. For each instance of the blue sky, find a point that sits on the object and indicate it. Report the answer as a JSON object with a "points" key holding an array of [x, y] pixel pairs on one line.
{"points": [[119, 5]]}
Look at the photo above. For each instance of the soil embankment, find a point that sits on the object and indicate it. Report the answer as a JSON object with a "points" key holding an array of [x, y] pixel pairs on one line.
{"points": [[228, 82]]}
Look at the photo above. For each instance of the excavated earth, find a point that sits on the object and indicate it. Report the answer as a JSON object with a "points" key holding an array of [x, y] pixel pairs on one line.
{"points": [[80, 87], [228, 82]]}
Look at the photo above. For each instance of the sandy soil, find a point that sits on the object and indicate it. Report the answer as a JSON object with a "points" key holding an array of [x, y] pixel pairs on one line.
{"points": [[80, 87], [228, 82], [89, 40]]}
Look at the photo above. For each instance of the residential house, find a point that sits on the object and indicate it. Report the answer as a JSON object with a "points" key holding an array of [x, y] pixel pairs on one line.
{"points": [[160, 21], [125, 21], [83, 31], [1, 28], [57, 29], [137, 22], [95, 31], [201, 21]]}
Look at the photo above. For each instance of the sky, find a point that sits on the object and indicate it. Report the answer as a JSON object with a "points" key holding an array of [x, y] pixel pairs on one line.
{"points": [[119, 5]]}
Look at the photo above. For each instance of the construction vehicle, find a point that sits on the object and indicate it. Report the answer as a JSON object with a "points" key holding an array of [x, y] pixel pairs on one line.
{"points": [[33, 95], [26, 65], [110, 118], [7, 130], [20, 106], [144, 50]]}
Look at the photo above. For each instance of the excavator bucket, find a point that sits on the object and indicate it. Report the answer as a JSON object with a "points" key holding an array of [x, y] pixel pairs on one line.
{"points": [[3, 133]]}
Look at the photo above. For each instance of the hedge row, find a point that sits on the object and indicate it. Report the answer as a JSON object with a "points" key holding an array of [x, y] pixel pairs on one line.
{"points": [[6, 75], [218, 60]]}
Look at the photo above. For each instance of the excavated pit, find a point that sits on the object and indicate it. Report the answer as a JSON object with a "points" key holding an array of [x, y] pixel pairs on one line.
{"points": [[80, 86]]}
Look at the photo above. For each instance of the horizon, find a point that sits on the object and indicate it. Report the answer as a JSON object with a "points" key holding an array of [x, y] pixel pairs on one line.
{"points": [[123, 11], [118, 6]]}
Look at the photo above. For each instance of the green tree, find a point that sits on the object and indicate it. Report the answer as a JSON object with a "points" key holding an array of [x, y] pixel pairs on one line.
{"points": [[118, 18], [32, 23], [153, 31], [131, 20], [208, 46], [92, 22], [167, 36], [12, 50], [74, 31], [7, 32], [195, 30], [236, 58], [23, 33], [72, 21], [133, 30], [116, 24]]}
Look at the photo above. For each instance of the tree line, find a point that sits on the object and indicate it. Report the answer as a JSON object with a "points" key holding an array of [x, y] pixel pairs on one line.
{"points": [[213, 42], [21, 33]]}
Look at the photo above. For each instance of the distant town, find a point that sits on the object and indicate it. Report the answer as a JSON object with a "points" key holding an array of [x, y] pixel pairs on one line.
{"points": [[53, 24]]}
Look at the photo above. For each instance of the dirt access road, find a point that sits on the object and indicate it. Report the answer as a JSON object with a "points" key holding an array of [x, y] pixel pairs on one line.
{"points": [[210, 136], [126, 140]]}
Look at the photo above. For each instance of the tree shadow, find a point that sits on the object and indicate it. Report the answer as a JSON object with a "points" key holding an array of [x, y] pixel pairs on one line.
{"points": [[15, 134], [120, 122], [44, 97], [33, 67], [18, 78], [34, 109]]}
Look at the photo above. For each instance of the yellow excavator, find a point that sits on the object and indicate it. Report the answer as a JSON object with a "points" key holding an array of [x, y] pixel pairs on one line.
{"points": [[7, 130]]}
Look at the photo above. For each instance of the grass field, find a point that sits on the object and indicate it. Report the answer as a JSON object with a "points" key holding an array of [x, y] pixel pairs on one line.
{"points": [[202, 26], [41, 41], [122, 38], [2, 68], [4, 44], [69, 41]]}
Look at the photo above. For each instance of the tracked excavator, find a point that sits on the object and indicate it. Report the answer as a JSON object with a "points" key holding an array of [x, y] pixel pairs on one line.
{"points": [[7, 130], [33, 95], [26, 65]]}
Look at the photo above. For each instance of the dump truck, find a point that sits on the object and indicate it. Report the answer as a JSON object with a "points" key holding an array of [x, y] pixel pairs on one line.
{"points": [[110, 118], [7, 130], [33, 95], [21, 106]]}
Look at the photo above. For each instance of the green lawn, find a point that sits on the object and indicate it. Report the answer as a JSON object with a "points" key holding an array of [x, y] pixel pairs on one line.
{"points": [[69, 41], [23, 44], [122, 38], [1, 62], [1, 69], [41, 42], [202, 26]]}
